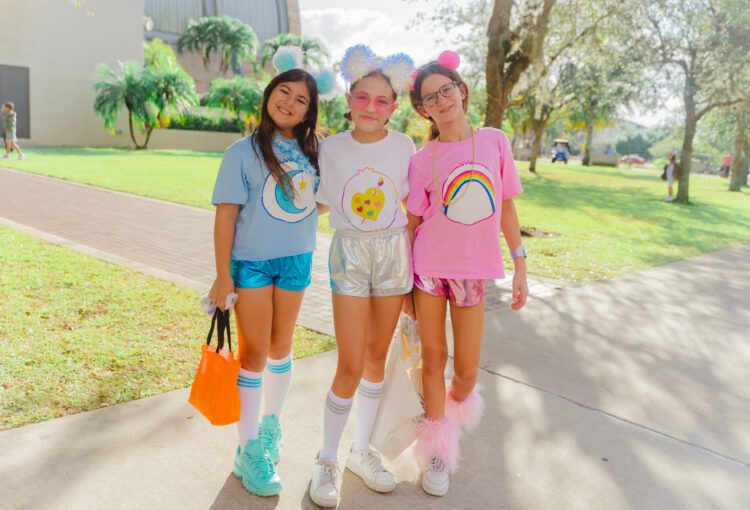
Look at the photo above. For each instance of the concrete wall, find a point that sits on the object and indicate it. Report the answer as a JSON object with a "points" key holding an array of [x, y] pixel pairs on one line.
{"points": [[192, 140], [62, 45]]}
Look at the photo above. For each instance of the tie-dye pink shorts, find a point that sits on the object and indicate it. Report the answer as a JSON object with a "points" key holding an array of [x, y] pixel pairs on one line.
{"points": [[461, 292]]}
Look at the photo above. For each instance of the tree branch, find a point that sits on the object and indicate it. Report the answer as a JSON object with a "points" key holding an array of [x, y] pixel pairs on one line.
{"points": [[718, 104]]}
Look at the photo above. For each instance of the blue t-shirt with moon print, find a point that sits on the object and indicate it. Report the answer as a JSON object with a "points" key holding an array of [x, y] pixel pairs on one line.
{"points": [[270, 224]]}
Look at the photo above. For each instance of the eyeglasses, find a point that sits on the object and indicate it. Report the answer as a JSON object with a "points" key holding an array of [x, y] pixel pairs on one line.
{"points": [[446, 90], [361, 100]]}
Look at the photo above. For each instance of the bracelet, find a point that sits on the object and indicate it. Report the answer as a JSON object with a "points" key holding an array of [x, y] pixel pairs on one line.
{"points": [[518, 252]]}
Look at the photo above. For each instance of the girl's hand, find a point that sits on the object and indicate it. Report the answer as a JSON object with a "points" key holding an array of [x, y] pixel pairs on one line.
{"points": [[520, 287], [222, 286], [408, 307]]}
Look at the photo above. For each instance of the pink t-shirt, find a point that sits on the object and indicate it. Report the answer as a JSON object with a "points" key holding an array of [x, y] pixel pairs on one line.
{"points": [[462, 239]]}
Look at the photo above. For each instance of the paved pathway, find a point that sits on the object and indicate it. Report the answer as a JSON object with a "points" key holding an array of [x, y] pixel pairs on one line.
{"points": [[629, 394], [166, 240]]}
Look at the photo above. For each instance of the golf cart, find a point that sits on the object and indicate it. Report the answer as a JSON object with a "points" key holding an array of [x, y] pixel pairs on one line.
{"points": [[561, 150]]}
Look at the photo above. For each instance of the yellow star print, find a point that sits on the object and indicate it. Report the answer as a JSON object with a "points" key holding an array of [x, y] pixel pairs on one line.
{"points": [[302, 185]]}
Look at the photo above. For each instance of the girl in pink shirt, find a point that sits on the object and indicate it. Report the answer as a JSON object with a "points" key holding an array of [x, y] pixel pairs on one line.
{"points": [[461, 188]]}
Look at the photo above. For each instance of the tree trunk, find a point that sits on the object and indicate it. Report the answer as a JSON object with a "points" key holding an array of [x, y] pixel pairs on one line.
{"points": [[536, 149], [589, 139], [132, 132], [686, 155], [149, 130], [744, 174], [508, 54], [740, 155], [498, 45]]}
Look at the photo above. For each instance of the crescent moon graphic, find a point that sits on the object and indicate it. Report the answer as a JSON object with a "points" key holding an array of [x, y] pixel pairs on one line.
{"points": [[287, 204], [281, 207]]}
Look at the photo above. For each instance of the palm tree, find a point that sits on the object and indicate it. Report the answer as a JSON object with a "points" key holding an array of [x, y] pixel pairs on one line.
{"points": [[148, 95], [315, 50], [239, 96], [126, 88], [227, 37]]}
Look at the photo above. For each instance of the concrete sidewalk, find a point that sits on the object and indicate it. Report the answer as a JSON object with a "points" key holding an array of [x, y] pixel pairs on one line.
{"points": [[633, 393]]}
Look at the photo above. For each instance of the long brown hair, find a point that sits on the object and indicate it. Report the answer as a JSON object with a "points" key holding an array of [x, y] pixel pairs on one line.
{"points": [[305, 132], [415, 94]]}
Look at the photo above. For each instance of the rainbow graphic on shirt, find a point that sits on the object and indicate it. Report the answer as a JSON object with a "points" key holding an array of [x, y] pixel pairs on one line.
{"points": [[469, 194]]}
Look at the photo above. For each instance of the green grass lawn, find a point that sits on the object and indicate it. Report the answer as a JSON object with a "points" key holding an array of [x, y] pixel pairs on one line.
{"points": [[606, 222], [77, 333]]}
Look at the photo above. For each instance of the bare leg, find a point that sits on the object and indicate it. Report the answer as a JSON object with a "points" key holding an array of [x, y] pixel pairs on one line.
{"points": [[350, 321], [468, 323], [384, 313], [286, 305], [431, 316], [254, 315]]}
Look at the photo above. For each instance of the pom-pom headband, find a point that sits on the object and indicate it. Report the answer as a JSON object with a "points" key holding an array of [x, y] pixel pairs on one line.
{"points": [[292, 57], [360, 60], [448, 59]]}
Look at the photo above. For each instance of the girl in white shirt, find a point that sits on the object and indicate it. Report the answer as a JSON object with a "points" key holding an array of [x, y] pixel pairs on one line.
{"points": [[364, 181]]}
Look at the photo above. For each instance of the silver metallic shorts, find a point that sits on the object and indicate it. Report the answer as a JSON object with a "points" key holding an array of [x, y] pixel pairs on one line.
{"points": [[367, 264]]}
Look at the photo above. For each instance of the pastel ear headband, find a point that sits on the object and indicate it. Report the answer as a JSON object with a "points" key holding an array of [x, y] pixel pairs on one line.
{"points": [[448, 59], [360, 60], [292, 57]]}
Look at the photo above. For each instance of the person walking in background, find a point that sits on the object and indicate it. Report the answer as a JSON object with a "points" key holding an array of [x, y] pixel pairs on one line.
{"points": [[9, 121], [672, 173], [726, 166]]}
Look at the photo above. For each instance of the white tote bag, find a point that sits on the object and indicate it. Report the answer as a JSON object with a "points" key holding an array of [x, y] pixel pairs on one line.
{"points": [[401, 400]]}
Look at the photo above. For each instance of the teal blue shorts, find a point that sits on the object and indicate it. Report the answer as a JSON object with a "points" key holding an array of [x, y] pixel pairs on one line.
{"points": [[289, 273]]}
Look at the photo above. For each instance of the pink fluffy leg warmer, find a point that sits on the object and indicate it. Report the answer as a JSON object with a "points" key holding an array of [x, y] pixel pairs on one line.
{"points": [[467, 413], [438, 438]]}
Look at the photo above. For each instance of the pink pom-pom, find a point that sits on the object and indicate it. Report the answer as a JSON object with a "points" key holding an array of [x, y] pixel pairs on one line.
{"points": [[449, 59]]}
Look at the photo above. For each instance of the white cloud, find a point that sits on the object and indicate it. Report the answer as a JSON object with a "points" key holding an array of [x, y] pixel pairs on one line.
{"points": [[341, 28]]}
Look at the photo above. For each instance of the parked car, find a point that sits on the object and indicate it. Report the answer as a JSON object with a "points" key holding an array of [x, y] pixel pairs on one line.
{"points": [[632, 159]]}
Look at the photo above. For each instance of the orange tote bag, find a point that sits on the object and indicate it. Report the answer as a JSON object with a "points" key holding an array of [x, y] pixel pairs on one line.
{"points": [[214, 392]]}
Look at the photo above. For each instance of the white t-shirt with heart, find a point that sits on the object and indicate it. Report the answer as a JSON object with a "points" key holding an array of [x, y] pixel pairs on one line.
{"points": [[365, 183]]}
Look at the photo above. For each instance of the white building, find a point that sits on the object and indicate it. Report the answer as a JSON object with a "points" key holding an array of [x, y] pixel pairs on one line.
{"points": [[49, 51]]}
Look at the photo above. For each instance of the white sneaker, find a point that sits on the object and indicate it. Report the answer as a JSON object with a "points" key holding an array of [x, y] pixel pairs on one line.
{"points": [[6, 156], [435, 478], [326, 482], [21, 156], [369, 467]]}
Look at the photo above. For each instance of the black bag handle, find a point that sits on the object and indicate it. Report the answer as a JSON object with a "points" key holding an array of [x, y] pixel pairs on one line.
{"points": [[223, 325]]}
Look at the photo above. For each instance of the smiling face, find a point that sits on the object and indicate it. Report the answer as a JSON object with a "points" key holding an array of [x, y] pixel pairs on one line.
{"points": [[371, 102], [288, 105], [445, 109]]}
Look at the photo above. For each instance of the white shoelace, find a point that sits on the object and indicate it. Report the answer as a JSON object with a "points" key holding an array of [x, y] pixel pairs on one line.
{"points": [[374, 462], [330, 472]]}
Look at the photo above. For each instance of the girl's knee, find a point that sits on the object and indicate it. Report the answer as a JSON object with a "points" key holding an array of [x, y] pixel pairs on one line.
{"points": [[348, 374], [434, 358], [251, 356], [467, 376]]}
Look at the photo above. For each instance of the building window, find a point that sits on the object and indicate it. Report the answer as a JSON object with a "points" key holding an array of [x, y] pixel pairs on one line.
{"points": [[14, 87]]}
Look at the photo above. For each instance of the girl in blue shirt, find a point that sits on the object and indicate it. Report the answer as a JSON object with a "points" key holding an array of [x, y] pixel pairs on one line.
{"points": [[264, 236]]}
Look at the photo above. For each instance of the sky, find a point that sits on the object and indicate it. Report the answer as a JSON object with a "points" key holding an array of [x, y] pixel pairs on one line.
{"points": [[383, 25], [380, 24]]}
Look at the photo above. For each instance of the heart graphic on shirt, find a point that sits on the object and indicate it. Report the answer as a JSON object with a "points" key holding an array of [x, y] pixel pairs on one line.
{"points": [[368, 204]]}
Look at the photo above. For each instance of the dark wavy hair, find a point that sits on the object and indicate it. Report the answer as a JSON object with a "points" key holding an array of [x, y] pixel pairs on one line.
{"points": [[415, 94], [305, 132]]}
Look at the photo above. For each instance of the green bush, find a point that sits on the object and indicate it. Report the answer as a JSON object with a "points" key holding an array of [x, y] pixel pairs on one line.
{"points": [[197, 122]]}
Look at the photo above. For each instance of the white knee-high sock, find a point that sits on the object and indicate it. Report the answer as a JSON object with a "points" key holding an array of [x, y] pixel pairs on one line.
{"points": [[334, 421], [277, 377], [368, 401], [250, 385]]}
